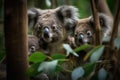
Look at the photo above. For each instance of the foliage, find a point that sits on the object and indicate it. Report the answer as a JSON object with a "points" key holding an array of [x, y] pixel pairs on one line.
{"points": [[40, 64], [51, 64]]}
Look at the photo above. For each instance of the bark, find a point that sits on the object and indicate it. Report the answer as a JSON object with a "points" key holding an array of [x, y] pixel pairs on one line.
{"points": [[54, 4], [15, 27], [96, 23], [115, 24], [103, 7], [68, 2]]}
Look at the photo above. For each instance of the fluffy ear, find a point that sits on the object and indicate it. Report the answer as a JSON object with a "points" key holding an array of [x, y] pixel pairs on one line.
{"points": [[33, 15], [68, 15], [105, 21]]}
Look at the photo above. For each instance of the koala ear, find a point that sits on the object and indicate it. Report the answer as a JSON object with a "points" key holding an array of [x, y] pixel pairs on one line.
{"points": [[105, 21], [33, 15], [68, 15]]}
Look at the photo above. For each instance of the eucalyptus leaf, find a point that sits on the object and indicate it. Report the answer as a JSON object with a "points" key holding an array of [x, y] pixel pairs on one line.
{"points": [[77, 73], [89, 68], [58, 56], [102, 74], [48, 66], [37, 57], [97, 54], [82, 47], [91, 52], [117, 43], [69, 50], [32, 70], [106, 39]]}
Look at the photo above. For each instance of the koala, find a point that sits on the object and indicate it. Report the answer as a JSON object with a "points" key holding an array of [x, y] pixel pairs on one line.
{"points": [[52, 26], [85, 30], [33, 44]]}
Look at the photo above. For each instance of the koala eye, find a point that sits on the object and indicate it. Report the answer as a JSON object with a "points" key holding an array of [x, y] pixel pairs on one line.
{"points": [[89, 33], [53, 27], [39, 27], [75, 35]]}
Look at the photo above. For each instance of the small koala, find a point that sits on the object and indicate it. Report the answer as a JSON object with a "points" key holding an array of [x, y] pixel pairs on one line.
{"points": [[85, 30], [33, 44], [52, 26]]}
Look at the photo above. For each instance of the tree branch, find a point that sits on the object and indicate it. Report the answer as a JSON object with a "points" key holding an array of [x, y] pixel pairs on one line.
{"points": [[115, 24], [54, 4], [96, 23], [103, 7]]}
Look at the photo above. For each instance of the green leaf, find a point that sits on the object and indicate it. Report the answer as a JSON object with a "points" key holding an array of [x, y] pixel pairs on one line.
{"points": [[33, 70], [59, 68], [117, 43], [82, 47], [58, 56], [69, 50], [77, 73], [102, 74], [106, 39], [48, 67], [37, 57], [89, 67], [91, 52], [97, 54]]}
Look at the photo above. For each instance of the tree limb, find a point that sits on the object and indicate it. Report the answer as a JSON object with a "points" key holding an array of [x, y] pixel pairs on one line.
{"points": [[115, 24], [96, 23], [103, 7]]}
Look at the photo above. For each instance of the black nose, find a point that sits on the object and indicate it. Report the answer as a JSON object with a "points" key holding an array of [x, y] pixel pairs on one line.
{"points": [[32, 49], [46, 32], [80, 38]]}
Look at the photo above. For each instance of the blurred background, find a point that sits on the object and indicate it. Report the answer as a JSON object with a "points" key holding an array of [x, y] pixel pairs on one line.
{"points": [[82, 5]]}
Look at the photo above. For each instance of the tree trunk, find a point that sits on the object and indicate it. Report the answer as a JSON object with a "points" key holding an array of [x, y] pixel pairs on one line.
{"points": [[96, 23], [103, 7], [15, 27]]}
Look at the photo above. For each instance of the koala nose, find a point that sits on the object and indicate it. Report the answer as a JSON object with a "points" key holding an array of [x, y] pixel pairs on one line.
{"points": [[46, 32], [80, 38], [32, 49]]}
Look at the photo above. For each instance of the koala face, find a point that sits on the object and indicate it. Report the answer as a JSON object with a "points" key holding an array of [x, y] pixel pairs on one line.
{"points": [[51, 24], [33, 44], [85, 30], [49, 28]]}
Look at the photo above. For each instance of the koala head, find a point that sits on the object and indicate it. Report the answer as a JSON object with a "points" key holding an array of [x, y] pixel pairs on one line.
{"points": [[33, 44], [52, 24], [85, 29]]}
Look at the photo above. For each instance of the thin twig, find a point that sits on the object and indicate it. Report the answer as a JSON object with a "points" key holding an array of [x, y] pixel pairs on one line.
{"points": [[115, 25], [96, 23], [54, 4]]}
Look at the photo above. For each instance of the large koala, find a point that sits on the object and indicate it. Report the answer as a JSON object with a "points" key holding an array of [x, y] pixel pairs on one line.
{"points": [[52, 26], [85, 29]]}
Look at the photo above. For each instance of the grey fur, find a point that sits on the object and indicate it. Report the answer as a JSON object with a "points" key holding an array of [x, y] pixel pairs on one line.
{"points": [[33, 44], [106, 25], [64, 20]]}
